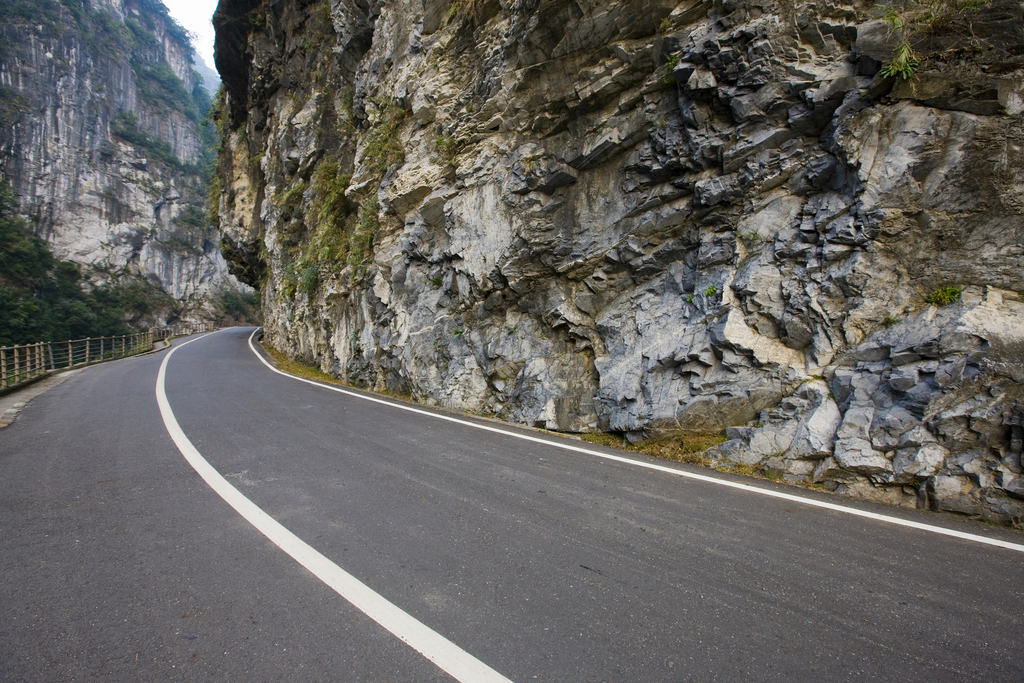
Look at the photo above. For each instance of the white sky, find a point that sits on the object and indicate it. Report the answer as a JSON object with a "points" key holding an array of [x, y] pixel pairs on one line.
{"points": [[195, 16]]}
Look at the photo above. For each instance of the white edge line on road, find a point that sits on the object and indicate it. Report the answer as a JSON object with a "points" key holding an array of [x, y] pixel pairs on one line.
{"points": [[458, 663], [661, 468]]}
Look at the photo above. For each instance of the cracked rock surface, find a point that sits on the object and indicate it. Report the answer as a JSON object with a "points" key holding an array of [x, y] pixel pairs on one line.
{"points": [[649, 217]]}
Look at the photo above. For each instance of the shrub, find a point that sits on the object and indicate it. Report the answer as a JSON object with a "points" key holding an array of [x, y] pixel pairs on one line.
{"points": [[242, 307]]}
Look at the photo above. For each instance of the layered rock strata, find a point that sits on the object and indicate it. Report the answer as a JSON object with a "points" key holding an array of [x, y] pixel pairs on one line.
{"points": [[650, 217], [100, 139]]}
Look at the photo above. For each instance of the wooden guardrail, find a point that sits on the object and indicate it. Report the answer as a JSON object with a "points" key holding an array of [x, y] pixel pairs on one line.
{"points": [[28, 361]]}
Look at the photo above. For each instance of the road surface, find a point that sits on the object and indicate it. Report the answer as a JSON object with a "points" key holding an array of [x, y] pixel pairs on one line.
{"points": [[119, 562]]}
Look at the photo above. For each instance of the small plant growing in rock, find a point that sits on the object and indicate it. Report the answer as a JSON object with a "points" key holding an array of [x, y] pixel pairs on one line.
{"points": [[890, 320], [671, 62], [383, 145], [458, 332], [904, 62], [346, 116], [512, 330], [437, 280], [445, 146], [689, 299], [711, 291], [326, 214], [360, 244], [309, 278], [944, 296], [910, 19]]}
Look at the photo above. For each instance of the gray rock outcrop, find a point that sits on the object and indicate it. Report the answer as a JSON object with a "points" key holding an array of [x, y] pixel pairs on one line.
{"points": [[649, 217], [100, 139]]}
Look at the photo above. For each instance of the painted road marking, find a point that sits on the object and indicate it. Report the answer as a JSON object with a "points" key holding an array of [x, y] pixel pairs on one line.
{"points": [[661, 468], [458, 663]]}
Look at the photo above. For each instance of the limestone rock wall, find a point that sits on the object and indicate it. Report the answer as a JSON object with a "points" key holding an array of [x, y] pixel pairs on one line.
{"points": [[649, 217], [99, 199]]}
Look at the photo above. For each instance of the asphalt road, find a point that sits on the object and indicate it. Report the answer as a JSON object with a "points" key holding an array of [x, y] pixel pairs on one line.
{"points": [[118, 562]]}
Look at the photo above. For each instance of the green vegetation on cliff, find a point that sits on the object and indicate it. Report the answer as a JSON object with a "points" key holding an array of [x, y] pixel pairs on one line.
{"points": [[42, 298], [913, 22], [162, 88], [125, 125]]}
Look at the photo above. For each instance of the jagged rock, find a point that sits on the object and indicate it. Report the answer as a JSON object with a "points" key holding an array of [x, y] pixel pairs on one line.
{"points": [[651, 218], [817, 427], [918, 462]]}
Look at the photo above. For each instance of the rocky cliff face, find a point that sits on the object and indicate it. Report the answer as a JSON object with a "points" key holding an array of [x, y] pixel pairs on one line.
{"points": [[100, 137], [650, 217]]}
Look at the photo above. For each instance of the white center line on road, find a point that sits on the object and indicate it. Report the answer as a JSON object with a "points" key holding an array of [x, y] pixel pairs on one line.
{"points": [[661, 468], [449, 657]]}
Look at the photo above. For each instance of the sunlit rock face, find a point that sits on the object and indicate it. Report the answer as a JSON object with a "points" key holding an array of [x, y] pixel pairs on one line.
{"points": [[648, 217], [80, 90]]}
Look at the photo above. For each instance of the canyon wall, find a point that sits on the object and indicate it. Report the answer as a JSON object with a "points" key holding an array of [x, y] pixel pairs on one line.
{"points": [[101, 139], [650, 218]]}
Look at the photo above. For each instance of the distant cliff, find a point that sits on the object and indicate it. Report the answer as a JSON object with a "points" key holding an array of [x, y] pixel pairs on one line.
{"points": [[795, 225], [101, 138]]}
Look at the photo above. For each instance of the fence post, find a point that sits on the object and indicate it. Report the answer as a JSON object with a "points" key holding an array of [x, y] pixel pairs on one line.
{"points": [[17, 370], [3, 366], [49, 347]]}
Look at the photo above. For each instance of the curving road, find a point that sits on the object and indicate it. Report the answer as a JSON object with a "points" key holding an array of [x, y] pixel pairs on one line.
{"points": [[492, 556]]}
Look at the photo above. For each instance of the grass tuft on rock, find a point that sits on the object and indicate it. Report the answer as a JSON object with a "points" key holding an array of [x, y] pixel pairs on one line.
{"points": [[687, 448], [944, 296], [293, 367]]}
